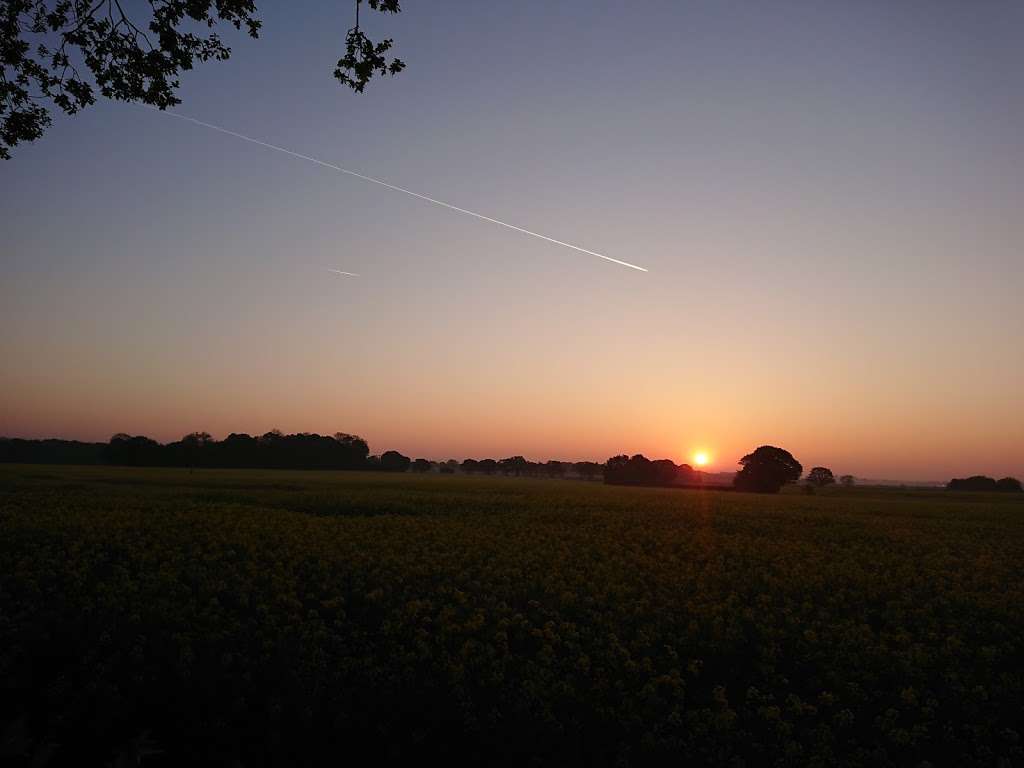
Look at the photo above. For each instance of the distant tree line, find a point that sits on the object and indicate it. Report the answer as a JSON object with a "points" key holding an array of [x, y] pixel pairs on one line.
{"points": [[520, 467], [639, 470], [19, 451], [272, 450], [982, 483], [766, 470]]}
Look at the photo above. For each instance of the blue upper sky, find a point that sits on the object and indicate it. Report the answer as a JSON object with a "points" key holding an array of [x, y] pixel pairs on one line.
{"points": [[828, 196]]}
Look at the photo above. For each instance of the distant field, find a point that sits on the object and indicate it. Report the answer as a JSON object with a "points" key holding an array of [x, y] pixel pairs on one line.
{"points": [[273, 617]]}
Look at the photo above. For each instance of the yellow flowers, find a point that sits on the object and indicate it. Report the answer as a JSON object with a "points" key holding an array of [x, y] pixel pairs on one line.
{"points": [[296, 614]]}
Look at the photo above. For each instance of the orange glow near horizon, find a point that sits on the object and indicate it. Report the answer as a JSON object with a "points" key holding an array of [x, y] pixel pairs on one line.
{"points": [[701, 458]]}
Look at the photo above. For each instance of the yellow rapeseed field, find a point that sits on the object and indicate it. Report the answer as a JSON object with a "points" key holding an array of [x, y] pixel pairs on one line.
{"points": [[281, 618]]}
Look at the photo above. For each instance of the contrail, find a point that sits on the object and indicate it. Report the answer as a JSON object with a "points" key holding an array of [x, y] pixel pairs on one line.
{"points": [[400, 189], [347, 274]]}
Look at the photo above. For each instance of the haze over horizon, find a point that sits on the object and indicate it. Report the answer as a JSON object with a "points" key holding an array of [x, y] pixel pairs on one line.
{"points": [[827, 198]]}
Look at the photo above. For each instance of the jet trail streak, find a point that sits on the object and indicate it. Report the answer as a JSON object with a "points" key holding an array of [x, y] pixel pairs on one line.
{"points": [[338, 271], [401, 189]]}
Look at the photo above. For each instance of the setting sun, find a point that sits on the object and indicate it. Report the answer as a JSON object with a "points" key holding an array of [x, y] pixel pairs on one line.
{"points": [[701, 458]]}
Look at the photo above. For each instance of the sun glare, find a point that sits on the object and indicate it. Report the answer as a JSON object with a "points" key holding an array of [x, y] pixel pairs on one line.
{"points": [[701, 458]]}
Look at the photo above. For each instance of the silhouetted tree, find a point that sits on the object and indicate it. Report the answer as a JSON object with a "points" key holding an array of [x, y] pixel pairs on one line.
{"points": [[421, 465], [1011, 484], [470, 466], [135, 451], [393, 461], [513, 465], [819, 477], [236, 450], [488, 466], [983, 483], [588, 470], [687, 475], [847, 480], [616, 469], [555, 469], [354, 450], [767, 469], [21, 451], [271, 450], [193, 448], [973, 483], [59, 52], [663, 472], [639, 470]]}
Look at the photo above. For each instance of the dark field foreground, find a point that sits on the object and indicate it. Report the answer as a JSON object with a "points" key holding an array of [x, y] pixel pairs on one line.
{"points": [[255, 618]]}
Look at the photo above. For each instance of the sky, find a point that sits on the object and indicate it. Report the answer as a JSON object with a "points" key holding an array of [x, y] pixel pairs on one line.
{"points": [[829, 198]]}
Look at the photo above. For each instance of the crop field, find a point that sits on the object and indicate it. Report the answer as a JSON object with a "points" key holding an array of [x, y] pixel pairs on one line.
{"points": [[165, 617]]}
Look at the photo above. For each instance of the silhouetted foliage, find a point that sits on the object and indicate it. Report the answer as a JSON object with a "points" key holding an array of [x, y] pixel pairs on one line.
{"points": [[421, 466], [363, 58], [615, 468], [470, 466], [137, 451], [820, 477], [1011, 484], [847, 481], [588, 470], [767, 469], [555, 469], [665, 471], [983, 483], [20, 451], [60, 52], [973, 483], [488, 466], [639, 470], [393, 461], [273, 450], [513, 465]]}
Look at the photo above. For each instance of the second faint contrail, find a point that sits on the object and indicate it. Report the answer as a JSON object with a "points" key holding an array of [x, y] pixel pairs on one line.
{"points": [[401, 189]]}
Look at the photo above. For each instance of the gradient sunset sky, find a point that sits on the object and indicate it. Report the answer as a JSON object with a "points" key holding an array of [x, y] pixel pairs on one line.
{"points": [[829, 197]]}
